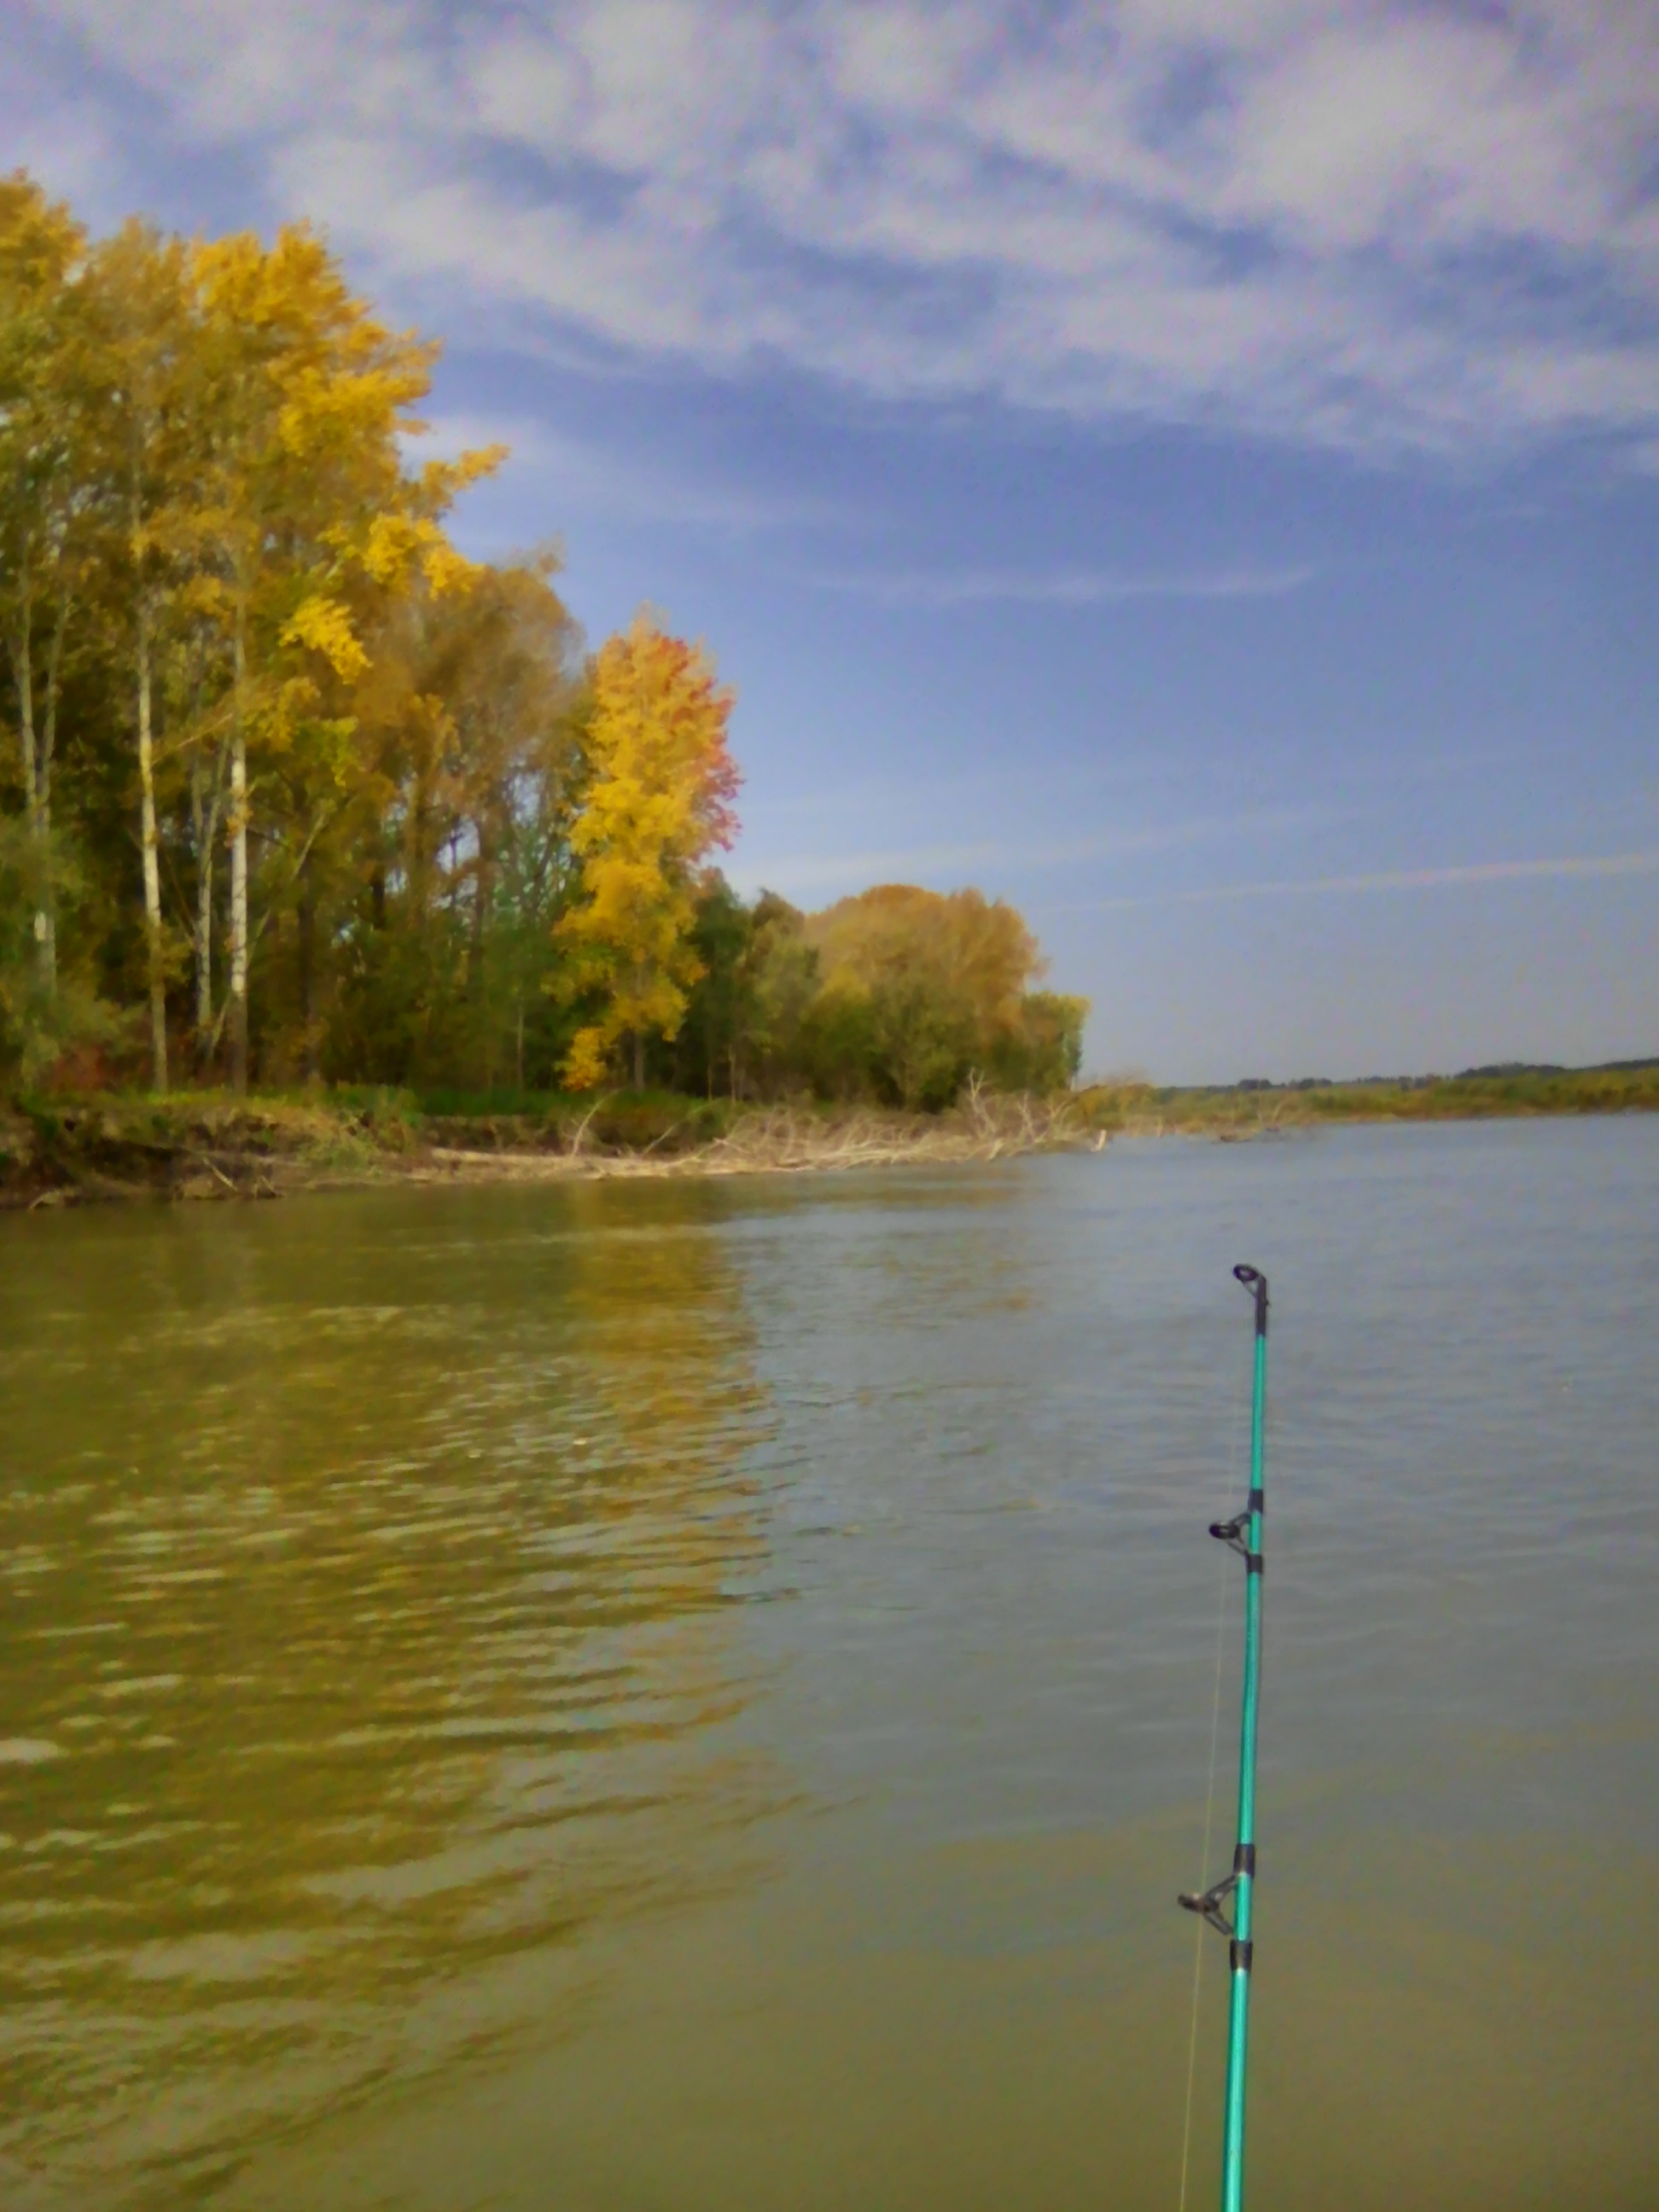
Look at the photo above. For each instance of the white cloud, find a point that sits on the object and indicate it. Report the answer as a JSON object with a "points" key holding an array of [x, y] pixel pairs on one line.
{"points": [[1070, 588], [580, 476], [1400, 879], [1340, 220], [1007, 858]]}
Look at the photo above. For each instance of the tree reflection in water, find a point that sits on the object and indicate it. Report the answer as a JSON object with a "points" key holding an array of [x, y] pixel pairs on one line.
{"points": [[367, 1573]]}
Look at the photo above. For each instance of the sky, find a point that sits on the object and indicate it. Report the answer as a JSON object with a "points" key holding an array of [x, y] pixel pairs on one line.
{"points": [[1190, 467]]}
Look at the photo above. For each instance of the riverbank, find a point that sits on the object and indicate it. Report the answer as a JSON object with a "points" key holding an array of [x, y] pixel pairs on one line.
{"points": [[197, 1145]]}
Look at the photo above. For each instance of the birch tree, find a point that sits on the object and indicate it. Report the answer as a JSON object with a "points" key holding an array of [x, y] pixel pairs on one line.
{"points": [[42, 497], [148, 347]]}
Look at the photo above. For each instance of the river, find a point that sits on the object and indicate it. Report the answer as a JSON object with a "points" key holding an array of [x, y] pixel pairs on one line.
{"points": [[698, 1696]]}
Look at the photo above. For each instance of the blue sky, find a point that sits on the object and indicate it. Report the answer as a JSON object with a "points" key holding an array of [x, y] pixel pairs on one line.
{"points": [[1189, 466]]}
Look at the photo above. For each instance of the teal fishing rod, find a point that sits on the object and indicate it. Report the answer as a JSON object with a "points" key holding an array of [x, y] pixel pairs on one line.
{"points": [[1242, 1534]]}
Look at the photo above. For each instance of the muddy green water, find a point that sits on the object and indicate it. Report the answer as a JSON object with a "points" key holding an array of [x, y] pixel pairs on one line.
{"points": [[698, 1698]]}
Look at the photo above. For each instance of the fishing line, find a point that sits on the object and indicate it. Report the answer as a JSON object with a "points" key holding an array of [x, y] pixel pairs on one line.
{"points": [[1240, 1394], [1198, 1932]]}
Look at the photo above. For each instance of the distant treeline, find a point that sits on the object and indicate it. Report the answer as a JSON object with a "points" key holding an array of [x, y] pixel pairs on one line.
{"points": [[1496, 1071], [296, 793], [1622, 1087]]}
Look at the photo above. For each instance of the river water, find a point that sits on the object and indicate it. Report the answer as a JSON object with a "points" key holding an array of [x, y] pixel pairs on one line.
{"points": [[698, 1697]]}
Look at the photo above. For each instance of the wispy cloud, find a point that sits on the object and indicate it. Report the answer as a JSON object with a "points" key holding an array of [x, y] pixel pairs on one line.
{"points": [[1070, 588], [800, 874], [1009, 859], [1344, 221], [585, 478], [1396, 880]]}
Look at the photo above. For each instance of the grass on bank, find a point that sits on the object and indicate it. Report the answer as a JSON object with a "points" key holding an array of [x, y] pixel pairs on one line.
{"points": [[203, 1142], [196, 1142]]}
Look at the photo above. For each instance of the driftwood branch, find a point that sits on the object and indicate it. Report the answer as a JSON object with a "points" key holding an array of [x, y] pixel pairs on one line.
{"points": [[579, 1136]]}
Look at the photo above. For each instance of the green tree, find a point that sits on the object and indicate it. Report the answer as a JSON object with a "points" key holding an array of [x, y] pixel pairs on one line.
{"points": [[470, 744], [720, 1010]]}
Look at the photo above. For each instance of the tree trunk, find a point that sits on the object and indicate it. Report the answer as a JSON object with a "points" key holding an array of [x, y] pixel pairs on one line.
{"points": [[308, 921], [23, 670], [20, 646], [158, 990], [46, 925], [205, 822], [237, 830], [483, 900], [484, 896], [639, 1059]]}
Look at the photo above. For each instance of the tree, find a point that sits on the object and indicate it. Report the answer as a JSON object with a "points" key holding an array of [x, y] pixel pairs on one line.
{"points": [[721, 1009], [308, 500], [459, 843], [261, 703], [147, 356], [924, 985], [1043, 1051], [43, 500], [659, 800]]}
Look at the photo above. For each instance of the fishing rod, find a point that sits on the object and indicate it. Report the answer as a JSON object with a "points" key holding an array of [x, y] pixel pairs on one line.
{"points": [[1242, 1534]]}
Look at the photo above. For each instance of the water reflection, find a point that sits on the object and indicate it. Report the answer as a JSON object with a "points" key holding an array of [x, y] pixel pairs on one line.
{"points": [[404, 1813], [367, 1582]]}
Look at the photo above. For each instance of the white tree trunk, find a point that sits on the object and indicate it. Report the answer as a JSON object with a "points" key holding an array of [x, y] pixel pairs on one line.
{"points": [[204, 821], [237, 826], [45, 921], [158, 992]]}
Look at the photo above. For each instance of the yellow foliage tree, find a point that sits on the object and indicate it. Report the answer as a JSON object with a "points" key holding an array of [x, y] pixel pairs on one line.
{"points": [[660, 801], [921, 987], [307, 494], [40, 515]]}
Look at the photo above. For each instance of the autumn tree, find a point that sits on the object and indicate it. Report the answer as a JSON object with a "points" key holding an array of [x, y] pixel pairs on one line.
{"points": [[307, 498], [920, 988], [145, 359], [265, 710], [468, 736], [658, 801], [45, 503], [507, 670]]}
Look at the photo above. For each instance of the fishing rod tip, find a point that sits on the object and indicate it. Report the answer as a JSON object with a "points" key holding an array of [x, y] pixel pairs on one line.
{"points": [[1256, 1284]]}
